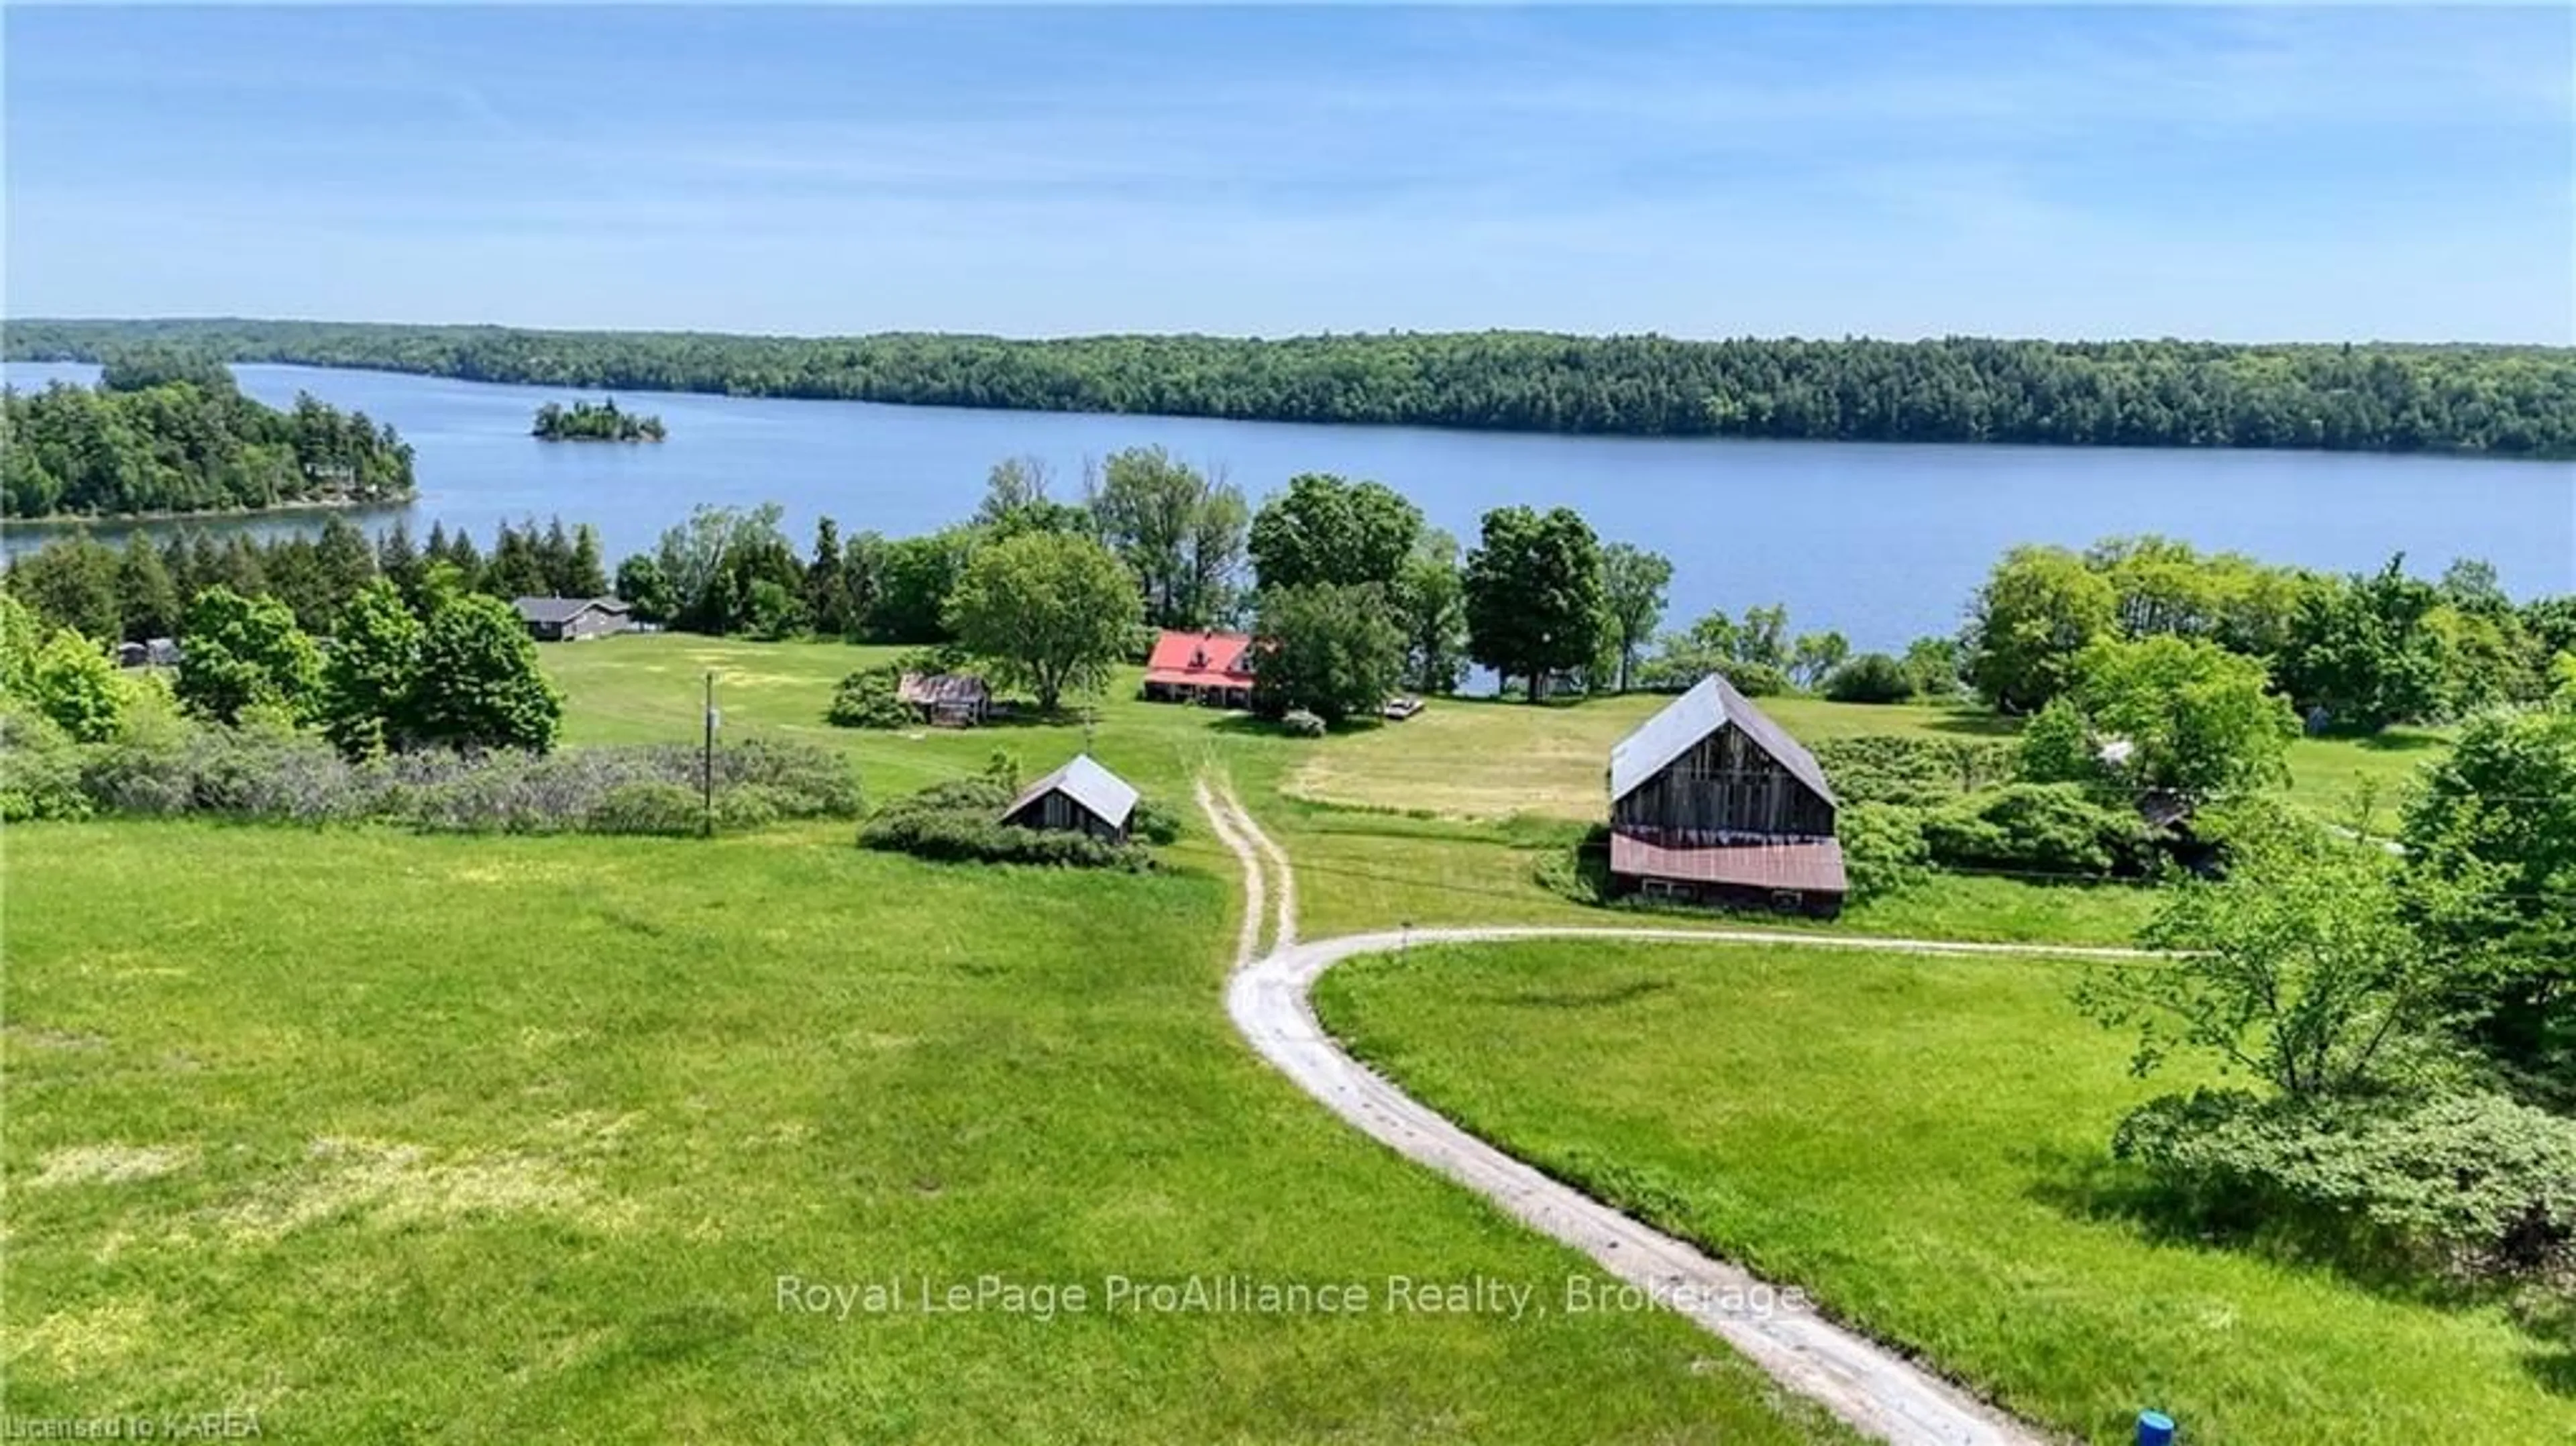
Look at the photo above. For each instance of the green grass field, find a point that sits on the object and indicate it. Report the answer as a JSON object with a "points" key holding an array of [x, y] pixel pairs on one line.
{"points": [[388, 1137], [1488, 759], [384, 1137], [1373, 862], [1921, 1142]]}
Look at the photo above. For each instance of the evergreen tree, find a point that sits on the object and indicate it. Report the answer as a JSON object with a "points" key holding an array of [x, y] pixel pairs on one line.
{"points": [[585, 575], [72, 583], [400, 563], [827, 593], [146, 596], [343, 563]]}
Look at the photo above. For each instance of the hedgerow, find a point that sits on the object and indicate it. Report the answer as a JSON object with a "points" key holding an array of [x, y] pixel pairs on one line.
{"points": [[266, 769]]}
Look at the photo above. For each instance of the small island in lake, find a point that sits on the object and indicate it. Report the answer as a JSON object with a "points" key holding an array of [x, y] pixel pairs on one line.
{"points": [[594, 422]]}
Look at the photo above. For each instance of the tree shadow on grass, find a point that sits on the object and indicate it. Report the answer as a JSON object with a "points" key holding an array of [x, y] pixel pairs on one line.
{"points": [[2092, 1186], [2550, 1319], [2398, 741], [1607, 997], [1974, 725]]}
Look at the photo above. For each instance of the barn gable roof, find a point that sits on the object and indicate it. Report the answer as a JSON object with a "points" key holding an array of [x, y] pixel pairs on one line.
{"points": [[1695, 715], [1109, 797]]}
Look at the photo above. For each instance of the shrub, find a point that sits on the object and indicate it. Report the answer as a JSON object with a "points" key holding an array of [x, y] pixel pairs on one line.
{"points": [[1580, 873], [2474, 1183], [986, 794], [1883, 848], [751, 805], [172, 766], [1298, 723], [804, 780], [1870, 678], [289, 777], [1154, 823], [40, 768], [1755, 680], [647, 806], [2050, 828], [1908, 769], [2056, 746], [867, 699]]}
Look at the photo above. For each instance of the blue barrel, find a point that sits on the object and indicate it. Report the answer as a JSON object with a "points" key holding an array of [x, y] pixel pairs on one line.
{"points": [[2155, 1428]]}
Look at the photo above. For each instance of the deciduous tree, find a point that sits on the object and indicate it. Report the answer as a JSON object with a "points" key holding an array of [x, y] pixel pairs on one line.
{"points": [[1053, 612], [1634, 583], [2298, 969], [1430, 604], [480, 683], [2038, 610], [1533, 594], [1178, 531], [1332, 649], [1328, 529], [2362, 650], [2199, 720], [243, 652], [372, 678]]}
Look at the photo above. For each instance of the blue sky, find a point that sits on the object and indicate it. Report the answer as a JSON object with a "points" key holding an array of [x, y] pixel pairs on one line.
{"points": [[2244, 173]]}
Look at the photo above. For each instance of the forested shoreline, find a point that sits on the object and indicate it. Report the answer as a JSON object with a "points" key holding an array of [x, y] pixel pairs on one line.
{"points": [[171, 436], [2492, 400]]}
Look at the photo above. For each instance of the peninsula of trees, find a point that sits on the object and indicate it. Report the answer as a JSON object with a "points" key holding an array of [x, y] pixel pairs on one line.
{"points": [[169, 434], [2500, 400], [594, 422]]}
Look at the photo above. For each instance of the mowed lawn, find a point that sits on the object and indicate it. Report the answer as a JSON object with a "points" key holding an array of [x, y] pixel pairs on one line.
{"points": [[396, 1138], [1922, 1143], [1489, 759]]}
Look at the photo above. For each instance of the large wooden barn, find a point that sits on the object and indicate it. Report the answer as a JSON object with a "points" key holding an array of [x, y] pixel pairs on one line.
{"points": [[1081, 797], [1712, 801]]}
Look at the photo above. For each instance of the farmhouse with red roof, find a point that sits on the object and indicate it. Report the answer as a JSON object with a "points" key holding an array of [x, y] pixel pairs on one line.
{"points": [[1210, 668]]}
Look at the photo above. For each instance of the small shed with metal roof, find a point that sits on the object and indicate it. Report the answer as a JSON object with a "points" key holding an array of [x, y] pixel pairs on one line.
{"points": [[1080, 797], [1712, 800]]}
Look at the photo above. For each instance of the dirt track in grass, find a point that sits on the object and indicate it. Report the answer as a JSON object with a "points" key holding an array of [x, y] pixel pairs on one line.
{"points": [[1874, 1389]]}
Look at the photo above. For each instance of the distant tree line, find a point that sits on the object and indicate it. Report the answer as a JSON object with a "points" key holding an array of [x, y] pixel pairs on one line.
{"points": [[167, 432], [594, 422], [2511, 401]]}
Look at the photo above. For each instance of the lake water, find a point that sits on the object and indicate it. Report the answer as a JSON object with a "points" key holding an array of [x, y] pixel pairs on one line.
{"points": [[1881, 541]]}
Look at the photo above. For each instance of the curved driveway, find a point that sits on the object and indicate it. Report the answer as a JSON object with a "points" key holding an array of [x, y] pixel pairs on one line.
{"points": [[1873, 1388]]}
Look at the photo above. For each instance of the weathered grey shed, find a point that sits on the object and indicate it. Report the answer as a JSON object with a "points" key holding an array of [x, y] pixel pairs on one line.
{"points": [[1712, 800], [1081, 796], [958, 700]]}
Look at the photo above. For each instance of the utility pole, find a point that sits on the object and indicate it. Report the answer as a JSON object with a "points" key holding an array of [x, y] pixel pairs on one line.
{"points": [[707, 764]]}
